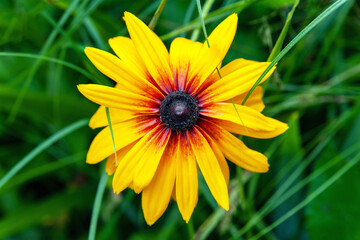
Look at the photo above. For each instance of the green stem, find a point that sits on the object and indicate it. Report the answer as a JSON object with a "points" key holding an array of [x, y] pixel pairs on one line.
{"points": [[97, 204]]}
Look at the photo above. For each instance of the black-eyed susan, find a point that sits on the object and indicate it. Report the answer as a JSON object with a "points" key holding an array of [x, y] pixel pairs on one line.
{"points": [[171, 112]]}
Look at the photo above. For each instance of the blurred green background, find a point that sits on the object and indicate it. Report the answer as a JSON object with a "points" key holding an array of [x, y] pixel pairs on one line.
{"points": [[312, 190]]}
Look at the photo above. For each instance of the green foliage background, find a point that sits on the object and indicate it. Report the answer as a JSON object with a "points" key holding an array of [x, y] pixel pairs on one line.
{"points": [[312, 190]]}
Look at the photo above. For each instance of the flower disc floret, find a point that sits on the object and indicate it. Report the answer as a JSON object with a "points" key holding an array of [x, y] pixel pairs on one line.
{"points": [[179, 111]]}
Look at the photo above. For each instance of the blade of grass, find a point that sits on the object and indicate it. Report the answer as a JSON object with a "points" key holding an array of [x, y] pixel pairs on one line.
{"points": [[41, 147], [111, 131], [101, 187], [298, 37], [279, 42], [311, 197], [189, 13], [36, 65], [208, 4], [213, 16], [97, 204], [42, 170], [207, 40], [50, 59], [157, 14], [201, 16], [323, 139]]}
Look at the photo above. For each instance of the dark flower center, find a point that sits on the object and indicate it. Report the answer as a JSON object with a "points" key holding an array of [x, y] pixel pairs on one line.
{"points": [[179, 111]]}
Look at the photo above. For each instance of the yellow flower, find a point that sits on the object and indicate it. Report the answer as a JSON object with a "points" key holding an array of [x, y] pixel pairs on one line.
{"points": [[171, 111]]}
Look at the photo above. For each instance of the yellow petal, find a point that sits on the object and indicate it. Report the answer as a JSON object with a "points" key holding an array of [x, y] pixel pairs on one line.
{"points": [[186, 177], [209, 167], [148, 148], [246, 121], [116, 98], [149, 161], [220, 157], [183, 52], [112, 162], [124, 134], [99, 119], [110, 165], [126, 51], [127, 77], [209, 58], [234, 149], [152, 50], [236, 83], [156, 196], [255, 101]]}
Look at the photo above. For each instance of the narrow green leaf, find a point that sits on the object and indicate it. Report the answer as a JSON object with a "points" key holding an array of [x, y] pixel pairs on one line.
{"points": [[298, 37], [212, 17], [41, 147], [310, 197], [111, 131], [279, 42], [36, 65], [157, 14], [97, 204], [49, 59], [203, 14], [202, 22]]}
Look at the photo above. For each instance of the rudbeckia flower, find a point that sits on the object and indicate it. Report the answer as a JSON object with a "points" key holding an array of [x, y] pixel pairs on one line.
{"points": [[171, 112]]}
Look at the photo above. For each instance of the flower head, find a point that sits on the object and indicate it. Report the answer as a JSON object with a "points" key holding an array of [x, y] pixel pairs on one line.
{"points": [[172, 112]]}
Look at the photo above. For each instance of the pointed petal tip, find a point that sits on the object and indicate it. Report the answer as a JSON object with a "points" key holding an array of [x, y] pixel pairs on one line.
{"points": [[128, 15], [233, 19], [226, 207], [89, 50], [137, 189], [149, 221], [92, 124], [83, 88], [186, 215]]}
